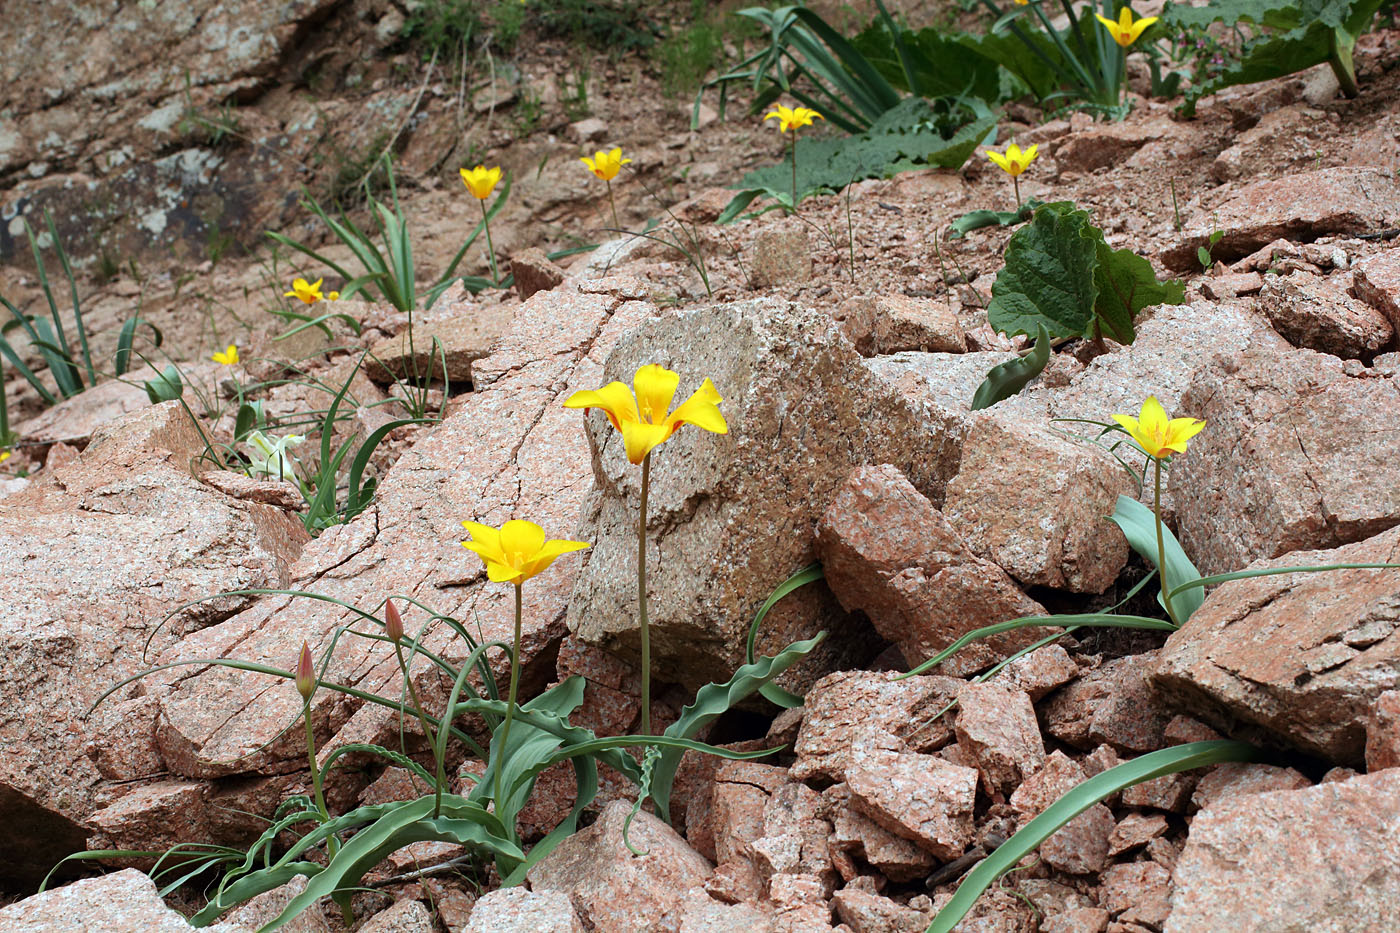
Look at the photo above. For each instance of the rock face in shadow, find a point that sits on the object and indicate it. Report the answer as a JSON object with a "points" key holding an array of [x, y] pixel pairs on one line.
{"points": [[95, 559], [1297, 657], [732, 516]]}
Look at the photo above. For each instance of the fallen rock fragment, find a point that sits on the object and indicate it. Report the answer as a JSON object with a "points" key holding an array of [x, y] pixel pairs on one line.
{"points": [[1224, 665], [1081, 845], [1383, 732], [1035, 504], [1377, 282], [1257, 861], [124, 900], [533, 271], [1311, 313], [887, 552], [519, 910], [1293, 457], [919, 797], [997, 729], [611, 888], [1113, 703], [1300, 207]]}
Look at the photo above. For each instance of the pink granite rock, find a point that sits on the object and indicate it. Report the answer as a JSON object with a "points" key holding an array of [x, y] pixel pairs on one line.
{"points": [[997, 729], [889, 553]]}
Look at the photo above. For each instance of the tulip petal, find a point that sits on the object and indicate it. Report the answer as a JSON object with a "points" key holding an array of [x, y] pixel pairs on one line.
{"points": [[614, 398], [552, 550], [640, 439], [1000, 161], [498, 572], [486, 541], [521, 538], [656, 387], [701, 410]]}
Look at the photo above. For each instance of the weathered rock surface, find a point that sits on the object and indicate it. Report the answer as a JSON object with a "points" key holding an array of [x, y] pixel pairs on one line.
{"points": [[1322, 858], [1113, 704], [997, 730], [886, 324], [1294, 456], [887, 552], [920, 797], [840, 704], [1310, 312], [1225, 665], [125, 536], [124, 900], [1036, 505], [1303, 207], [511, 450], [614, 890], [463, 333], [802, 409], [518, 910], [782, 257], [1383, 732], [1377, 282], [1081, 845], [534, 272], [73, 420]]}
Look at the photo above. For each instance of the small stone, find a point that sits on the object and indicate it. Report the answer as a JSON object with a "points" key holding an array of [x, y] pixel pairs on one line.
{"points": [[518, 910], [1042, 671], [839, 705], [871, 913], [404, 917], [1377, 282], [782, 257], [919, 797], [533, 271], [1183, 729], [1136, 829], [1383, 732], [588, 130], [1077, 920], [1231, 285], [1318, 858], [1170, 792], [1234, 778], [852, 832], [1035, 504], [613, 889], [889, 553], [997, 729], [1132, 885], [1081, 845], [1309, 313], [922, 324], [1113, 704]]}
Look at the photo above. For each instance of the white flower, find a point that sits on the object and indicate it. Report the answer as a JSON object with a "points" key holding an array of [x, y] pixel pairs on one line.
{"points": [[270, 458]]}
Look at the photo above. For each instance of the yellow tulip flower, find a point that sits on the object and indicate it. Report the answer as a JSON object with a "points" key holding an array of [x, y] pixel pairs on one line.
{"points": [[605, 165], [4, 455], [516, 551], [1014, 161], [793, 119], [481, 180], [1156, 435], [228, 358], [644, 416], [1125, 32], [307, 292]]}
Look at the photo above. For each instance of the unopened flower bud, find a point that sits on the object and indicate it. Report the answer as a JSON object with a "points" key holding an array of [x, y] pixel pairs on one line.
{"points": [[306, 673], [393, 623]]}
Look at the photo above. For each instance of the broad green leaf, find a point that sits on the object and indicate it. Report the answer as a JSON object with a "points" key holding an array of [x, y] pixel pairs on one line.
{"points": [[1048, 279], [165, 387], [1025, 841], [1139, 526], [904, 139], [1126, 285], [1006, 379], [711, 701]]}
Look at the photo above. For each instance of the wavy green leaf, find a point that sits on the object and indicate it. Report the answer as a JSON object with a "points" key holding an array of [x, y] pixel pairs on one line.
{"points": [[1139, 524]]}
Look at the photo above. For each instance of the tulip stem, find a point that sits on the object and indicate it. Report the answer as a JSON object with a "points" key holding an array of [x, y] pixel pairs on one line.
{"points": [[613, 203], [1016, 184], [332, 843], [500, 753], [490, 247], [422, 718], [1161, 546], [642, 598], [794, 171]]}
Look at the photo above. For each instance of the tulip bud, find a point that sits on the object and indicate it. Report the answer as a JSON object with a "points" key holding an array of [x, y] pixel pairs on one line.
{"points": [[306, 673], [393, 623]]}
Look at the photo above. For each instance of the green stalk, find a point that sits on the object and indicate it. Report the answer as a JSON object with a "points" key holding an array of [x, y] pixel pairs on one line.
{"points": [[794, 171], [1016, 184], [613, 203], [1340, 60], [332, 843], [1161, 547], [642, 598], [4, 411], [422, 716], [510, 703], [490, 247]]}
